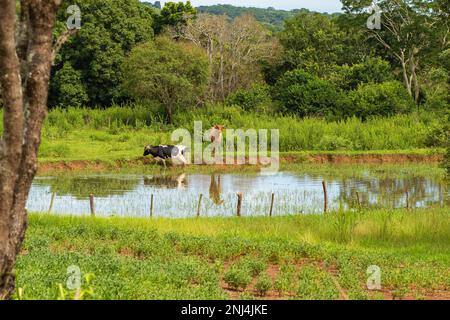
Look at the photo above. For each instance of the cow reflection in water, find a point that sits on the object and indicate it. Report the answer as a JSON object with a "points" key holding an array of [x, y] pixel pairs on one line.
{"points": [[215, 190], [168, 182]]}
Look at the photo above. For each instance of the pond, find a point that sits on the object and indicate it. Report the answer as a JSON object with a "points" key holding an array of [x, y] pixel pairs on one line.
{"points": [[178, 196]]}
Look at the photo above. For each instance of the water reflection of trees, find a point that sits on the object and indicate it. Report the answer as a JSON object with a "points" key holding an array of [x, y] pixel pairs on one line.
{"points": [[392, 192], [370, 191], [81, 187]]}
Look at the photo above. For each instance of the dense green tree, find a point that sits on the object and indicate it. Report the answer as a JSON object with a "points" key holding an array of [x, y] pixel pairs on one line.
{"points": [[307, 95], [312, 42], [371, 70], [174, 74], [380, 99], [256, 98], [435, 86], [411, 35], [175, 15], [110, 29], [270, 17], [68, 88]]}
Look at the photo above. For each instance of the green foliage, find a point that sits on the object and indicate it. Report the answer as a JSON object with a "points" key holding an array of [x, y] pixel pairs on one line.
{"points": [[172, 73], [175, 15], [312, 42], [270, 17], [110, 29], [436, 87], [176, 258], [307, 95], [380, 99], [332, 143], [263, 284], [237, 278], [120, 132], [255, 98], [315, 284], [447, 134], [371, 70], [67, 89]]}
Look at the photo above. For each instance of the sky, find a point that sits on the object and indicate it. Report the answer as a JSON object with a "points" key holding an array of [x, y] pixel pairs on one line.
{"points": [[329, 6]]}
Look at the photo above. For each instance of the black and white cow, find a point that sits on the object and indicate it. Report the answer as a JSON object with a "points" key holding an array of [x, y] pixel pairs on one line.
{"points": [[163, 153]]}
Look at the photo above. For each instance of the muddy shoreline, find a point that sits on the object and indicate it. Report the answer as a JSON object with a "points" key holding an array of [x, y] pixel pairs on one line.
{"points": [[98, 166]]}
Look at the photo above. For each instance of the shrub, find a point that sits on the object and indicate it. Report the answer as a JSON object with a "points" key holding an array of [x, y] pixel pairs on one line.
{"points": [[447, 155], [383, 99], [332, 143], [307, 95], [282, 284], [437, 135], [251, 99], [436, 89], [263, 284], [67, 89], [255, 266], [237, 278], [371, 70]]}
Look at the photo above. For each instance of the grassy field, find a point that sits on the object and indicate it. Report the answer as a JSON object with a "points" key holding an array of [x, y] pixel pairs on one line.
{"points": [[120, 133], [295, 257]]}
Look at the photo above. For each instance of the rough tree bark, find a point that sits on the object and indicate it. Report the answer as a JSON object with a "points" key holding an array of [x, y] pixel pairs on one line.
{"points": [[25, 62]]}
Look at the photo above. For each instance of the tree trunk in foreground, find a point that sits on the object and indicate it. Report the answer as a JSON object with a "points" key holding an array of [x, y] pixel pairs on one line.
{"points": [[25, 62]]}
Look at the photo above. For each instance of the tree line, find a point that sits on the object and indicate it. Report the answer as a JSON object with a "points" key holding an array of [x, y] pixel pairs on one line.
{"points": [[316, 65]]}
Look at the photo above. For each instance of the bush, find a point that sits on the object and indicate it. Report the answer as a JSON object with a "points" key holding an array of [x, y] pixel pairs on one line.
{"points": [[67, 89], [263, 284], [254, 98], [383, 99], [237, 278], [255, 266], [447, 155], [307, 95], [436, 89], [371, 70], [437, 135], [332, 143]]}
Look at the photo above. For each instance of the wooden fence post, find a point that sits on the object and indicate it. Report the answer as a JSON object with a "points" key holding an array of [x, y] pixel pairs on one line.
{"points": [[51, 202], [271, 204], [151, 206], [199, 206], [407, 199], [325, 197], [357, 199], [239, 204], [91, 202]]}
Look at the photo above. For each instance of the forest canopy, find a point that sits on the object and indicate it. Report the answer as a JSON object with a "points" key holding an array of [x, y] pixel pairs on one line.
{"points": [[295, 62]]}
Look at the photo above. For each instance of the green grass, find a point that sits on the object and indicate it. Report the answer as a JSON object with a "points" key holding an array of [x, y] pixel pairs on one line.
{"points": [[120, 133], [294, 257]]}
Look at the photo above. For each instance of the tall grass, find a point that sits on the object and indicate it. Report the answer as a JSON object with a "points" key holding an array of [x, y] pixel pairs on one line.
{"points": [[398, 132]]}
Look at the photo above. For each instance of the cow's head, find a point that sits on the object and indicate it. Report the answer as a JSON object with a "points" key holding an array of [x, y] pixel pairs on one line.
{"points": [[219, 127], [147, 150]]}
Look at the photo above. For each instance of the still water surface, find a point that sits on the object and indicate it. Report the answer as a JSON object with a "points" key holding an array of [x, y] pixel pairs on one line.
{"points": [[177, 196]]}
